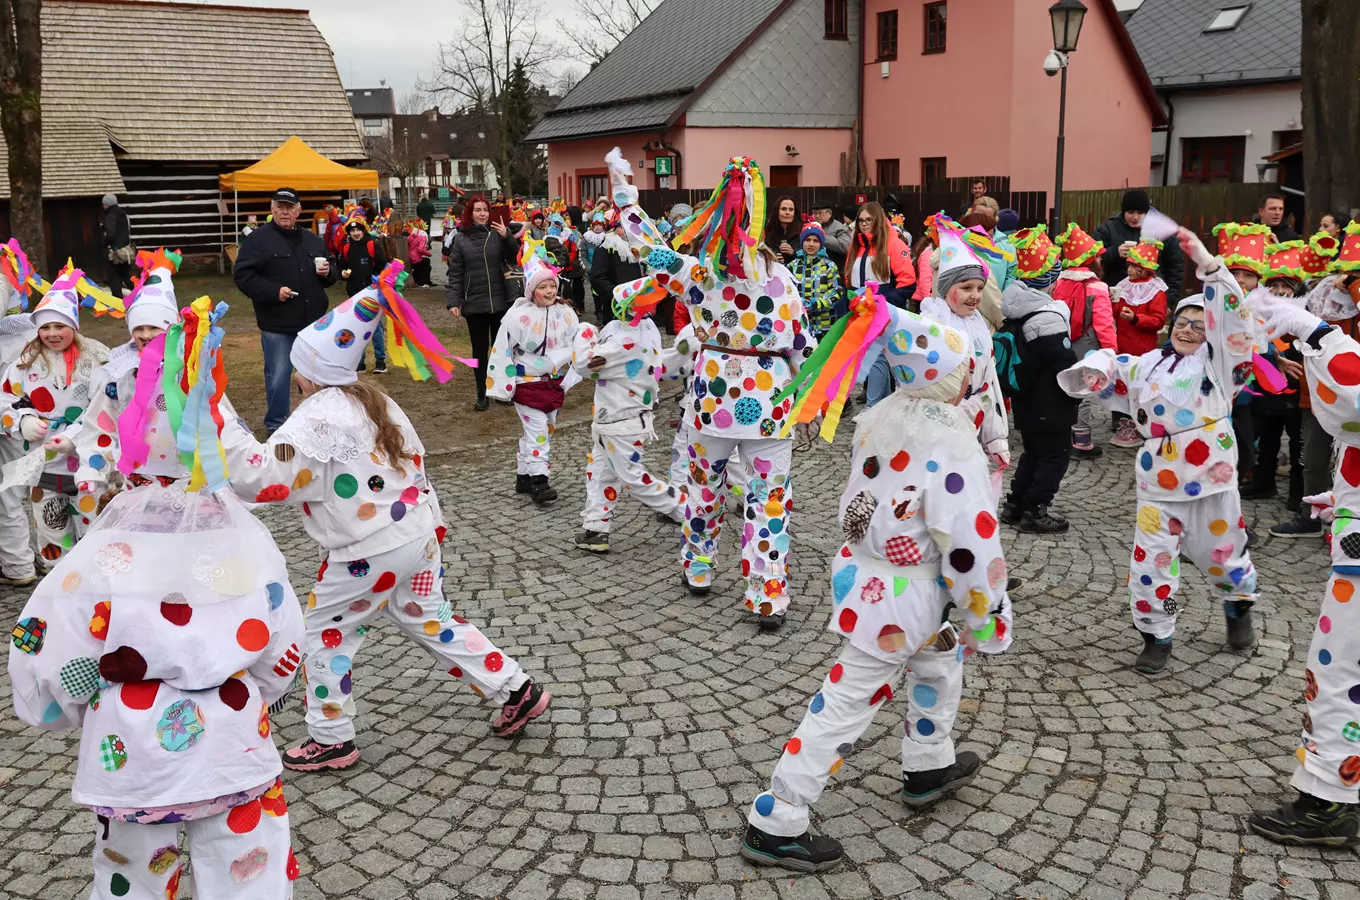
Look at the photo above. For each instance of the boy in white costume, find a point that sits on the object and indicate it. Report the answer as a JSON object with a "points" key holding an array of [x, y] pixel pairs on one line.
{"points": [[528, 362], [172, 690], [1181, 398], [921, 538], [352, 459], [625, 360]]}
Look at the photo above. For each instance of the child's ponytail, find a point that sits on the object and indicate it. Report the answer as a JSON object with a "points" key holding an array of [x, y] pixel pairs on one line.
{"points": [[390, 442]]}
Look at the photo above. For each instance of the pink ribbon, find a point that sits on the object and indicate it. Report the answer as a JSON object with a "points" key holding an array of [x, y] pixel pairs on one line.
{"points": [[132, 423]]}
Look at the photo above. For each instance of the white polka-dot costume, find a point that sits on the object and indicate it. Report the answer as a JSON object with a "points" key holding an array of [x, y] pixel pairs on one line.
{"points": [[534, 344], [1186, 468]]}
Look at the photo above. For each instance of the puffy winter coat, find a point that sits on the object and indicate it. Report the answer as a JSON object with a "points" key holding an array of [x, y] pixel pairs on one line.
{"points": [[476, 280]]}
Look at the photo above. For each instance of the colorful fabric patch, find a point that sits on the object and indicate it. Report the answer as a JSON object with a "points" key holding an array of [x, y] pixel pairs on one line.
{"points": [[112, 753], [28, 635], [180, 726]]}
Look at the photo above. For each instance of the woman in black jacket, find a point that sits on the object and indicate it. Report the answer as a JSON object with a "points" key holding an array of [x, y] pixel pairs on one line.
{"points": [[784, 228], [476, 281]]}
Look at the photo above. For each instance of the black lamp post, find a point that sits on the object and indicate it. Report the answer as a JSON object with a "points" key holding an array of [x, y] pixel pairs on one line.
{"points": [[1067, 16]]}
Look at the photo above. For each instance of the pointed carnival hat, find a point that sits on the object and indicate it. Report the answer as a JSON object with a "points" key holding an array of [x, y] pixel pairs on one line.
{"points": [[61, 303], [1348, 260], [727, 229], [328, 352], [958, 262], [1035, 254], [1286, 260], [152, 302], [1243, 245], [1078, 247], [1147, 253], [533, 256], [1319, 254]]}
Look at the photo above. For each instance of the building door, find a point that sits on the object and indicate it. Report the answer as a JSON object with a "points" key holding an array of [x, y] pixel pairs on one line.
{"points": [[785, 176]]}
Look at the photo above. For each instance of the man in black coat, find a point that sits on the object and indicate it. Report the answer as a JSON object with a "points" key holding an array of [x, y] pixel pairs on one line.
{"points": [[612, 266], [117, 237], [285, 271], [1120, 232]]}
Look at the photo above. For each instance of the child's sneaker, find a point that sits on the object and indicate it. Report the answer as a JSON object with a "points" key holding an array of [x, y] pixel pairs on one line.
{"points": [[18, 580], [380, 368], [1126, 436], [924, 788], [541, 492], [594, 541], [313, 757], [806, 853], [523, 485], [1309, 820], [524, 705]]}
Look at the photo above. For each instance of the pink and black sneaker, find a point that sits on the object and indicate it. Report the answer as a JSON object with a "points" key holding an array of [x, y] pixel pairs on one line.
{"points": [[524, 705], [313, 757]]}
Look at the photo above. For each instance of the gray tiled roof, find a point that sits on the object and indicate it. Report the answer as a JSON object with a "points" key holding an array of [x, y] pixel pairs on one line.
{"points": [[656, 67], [1170, 37], [372, 101]]}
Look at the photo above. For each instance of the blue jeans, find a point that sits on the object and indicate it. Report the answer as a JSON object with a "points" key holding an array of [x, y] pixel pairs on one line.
{"points": [[879, 383], [379, 346], [278, 377]]}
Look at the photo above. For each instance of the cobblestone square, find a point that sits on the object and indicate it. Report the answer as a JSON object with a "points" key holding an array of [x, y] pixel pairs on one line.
{"points": [[669, 712]]}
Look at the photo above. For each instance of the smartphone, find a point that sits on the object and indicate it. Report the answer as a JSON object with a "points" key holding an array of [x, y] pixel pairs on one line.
{"points": [[501, 213]]}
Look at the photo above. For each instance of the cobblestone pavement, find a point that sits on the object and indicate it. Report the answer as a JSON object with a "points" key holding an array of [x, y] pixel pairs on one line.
{"points": [[669, 712]]}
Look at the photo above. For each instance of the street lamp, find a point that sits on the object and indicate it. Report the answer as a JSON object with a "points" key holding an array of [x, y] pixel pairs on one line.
{"points": [[1067, 16]]}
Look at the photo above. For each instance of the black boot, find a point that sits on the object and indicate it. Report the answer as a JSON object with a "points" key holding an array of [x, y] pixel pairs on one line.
{"points": [[541, 491], [771, 623], [924, 788], [1014, 582], [523, 485], [1010, 512], [482, 403], [806, 853], [1156, 654], [1311, 821], [1237, 614], [1040, 521]]}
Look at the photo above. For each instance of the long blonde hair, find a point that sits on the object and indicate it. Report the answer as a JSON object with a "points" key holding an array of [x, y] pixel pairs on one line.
{"points": [[390, 442], [33, 351]]}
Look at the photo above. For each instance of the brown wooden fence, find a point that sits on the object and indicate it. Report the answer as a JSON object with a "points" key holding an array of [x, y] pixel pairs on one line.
{"points": [[1198, 207], [913, 201]]}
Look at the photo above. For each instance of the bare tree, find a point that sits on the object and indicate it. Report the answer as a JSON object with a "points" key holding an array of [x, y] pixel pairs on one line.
{"points": [[474, 68], [597, 26], [414, 102], [402, 156], [1331, 106], [21, 119]]}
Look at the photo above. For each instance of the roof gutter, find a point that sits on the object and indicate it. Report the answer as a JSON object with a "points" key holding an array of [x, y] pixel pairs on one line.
{"points": [[621, 101], [1170, 133], [859, 101]]}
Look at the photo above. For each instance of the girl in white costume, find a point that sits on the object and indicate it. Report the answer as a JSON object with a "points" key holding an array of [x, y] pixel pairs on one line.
{"points": [[352, 459], [1181, 398], [16, 330], [527, 365], [44, 393], [161, 635], [625, 360], [921, 538]]}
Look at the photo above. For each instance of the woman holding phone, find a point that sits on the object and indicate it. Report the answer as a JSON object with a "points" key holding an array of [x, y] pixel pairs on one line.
{"points": [[476, 280]]}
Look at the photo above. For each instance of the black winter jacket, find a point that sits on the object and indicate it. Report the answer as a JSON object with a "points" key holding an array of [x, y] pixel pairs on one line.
{"points": [[117, 231], [476, 281], [608, 271], [1115, 231], [271, 258], [362, 267]]}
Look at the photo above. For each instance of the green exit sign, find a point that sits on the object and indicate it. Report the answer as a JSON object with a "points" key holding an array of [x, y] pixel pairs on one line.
{"points": [[665, 165]]}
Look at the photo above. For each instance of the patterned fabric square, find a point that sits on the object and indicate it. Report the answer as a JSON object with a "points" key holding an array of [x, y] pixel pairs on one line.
{"points": [[422, 583], [80, 677], [903, 551]]}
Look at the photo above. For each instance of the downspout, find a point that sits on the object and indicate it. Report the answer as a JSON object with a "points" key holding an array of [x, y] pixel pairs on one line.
{"points": [[1170, 130], [859, 105]]}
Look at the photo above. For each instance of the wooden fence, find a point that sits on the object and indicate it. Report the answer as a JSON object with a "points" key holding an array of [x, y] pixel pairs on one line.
{"points": [[1198, 207]]}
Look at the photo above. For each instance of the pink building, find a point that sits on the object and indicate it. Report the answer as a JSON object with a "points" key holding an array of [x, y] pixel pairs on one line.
{"points": [[947, 88]]}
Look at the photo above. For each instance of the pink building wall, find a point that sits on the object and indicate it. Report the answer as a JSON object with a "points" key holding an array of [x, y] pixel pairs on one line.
{"points": [[704, 153]]}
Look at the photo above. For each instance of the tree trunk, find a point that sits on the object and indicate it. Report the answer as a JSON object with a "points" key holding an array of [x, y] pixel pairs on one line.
{"points": [[21, 121], [1331, 107]]}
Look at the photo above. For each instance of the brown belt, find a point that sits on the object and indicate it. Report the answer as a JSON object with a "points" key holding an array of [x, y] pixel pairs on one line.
{"points": [[733, 351]]}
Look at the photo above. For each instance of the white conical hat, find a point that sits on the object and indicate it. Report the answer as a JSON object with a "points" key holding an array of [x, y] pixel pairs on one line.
{"points": [[61, 303], [152, 301]]}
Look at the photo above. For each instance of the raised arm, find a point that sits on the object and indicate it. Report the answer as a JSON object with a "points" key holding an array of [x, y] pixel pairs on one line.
{"points": [[1229, 326], [272, 472]]}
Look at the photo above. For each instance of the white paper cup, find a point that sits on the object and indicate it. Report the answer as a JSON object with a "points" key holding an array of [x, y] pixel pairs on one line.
{"points": [[321, 263]]}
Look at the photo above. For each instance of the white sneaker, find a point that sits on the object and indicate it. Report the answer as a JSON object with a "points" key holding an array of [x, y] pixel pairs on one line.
{"points": [[20, 580]]}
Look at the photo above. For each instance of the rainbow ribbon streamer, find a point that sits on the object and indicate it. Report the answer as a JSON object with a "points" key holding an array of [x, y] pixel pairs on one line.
{"points": [[824, 382], [724, 244], [148, 260], [410, 344], [19, 272]]}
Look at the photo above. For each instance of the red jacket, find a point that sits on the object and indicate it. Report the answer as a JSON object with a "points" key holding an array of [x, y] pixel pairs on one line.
{"points": [[1138, 336], [1074, 293]]}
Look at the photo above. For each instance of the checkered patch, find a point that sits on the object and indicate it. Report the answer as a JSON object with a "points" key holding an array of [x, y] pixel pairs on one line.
{"points": [[112, 753], [422, 583], [80, 677], [903, 551]]}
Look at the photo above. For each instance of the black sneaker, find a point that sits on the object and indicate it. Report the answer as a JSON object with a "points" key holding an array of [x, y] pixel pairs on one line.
{"points": [[313, 757], [1302, 525], [362, 366], [1040, 521], [924, 788], [1010, 513], [1156, 654], [1091, 452], [1311, 821], [806, 853], [1237, 614], [697, 590], [523, 485], [594, 541], [1252, 539], [524, 705], [1014, 582], [482, 404], [541, 492], [380, 369], [771, 624]]}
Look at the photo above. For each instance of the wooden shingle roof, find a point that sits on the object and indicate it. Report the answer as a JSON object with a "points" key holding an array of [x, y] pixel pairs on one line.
{"points": [[186, 82]]}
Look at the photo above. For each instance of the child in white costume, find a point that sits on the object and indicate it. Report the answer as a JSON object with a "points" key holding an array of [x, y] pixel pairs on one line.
{"points": [[756, 335], [679, 360], [1327, 811], [1181, 398], [352, 459], [921, 538], [531, 356], [16, 330], [45, 391], [161, 636], [625, 360]]}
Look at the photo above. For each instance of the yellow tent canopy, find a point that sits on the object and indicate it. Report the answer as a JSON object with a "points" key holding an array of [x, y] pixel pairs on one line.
{"points": [[301, 168]]}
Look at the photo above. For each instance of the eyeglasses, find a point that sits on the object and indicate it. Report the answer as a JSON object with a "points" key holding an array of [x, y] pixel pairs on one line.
{"points": [[1194, 325], [864, 221]]}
